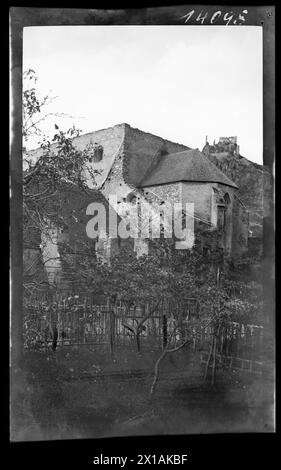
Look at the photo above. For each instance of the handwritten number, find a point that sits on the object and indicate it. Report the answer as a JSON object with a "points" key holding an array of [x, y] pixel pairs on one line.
{"points": [[202, 18], [228, 18], [215, 15], [188, 16]]}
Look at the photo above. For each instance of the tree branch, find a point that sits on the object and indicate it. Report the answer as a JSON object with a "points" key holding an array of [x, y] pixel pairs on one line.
{"points": [[164, 353]]}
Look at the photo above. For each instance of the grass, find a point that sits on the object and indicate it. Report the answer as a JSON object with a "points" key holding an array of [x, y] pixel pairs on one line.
{"points": [[82, 393]]}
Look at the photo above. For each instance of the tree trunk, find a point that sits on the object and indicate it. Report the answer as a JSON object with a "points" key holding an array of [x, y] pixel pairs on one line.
{"points": [[156, 371], [214, 362], [138, 341], [164, 331], [162, 356], [208, 360]]}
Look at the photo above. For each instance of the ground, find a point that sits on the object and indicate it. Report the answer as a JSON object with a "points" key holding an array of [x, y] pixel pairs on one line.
{"points": [[82, 393]]}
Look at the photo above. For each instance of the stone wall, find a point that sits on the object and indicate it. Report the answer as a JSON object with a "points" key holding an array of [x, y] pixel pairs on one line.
{"points": [[115, 183], [171, 192], [235, 234], [111, 140], [186, 192]]}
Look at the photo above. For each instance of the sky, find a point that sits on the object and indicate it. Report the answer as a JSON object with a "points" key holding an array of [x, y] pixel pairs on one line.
{"points": [[182, 83]]}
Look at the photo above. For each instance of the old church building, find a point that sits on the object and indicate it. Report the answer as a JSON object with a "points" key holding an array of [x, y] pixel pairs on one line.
{"points": [[137, 166]]}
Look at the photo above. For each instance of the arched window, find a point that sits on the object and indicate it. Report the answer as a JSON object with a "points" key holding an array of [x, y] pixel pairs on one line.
{"points": [[222, 201], [226, 199]]}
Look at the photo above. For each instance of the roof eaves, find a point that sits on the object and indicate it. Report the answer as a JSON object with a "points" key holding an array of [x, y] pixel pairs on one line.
{"points": [[143, 185]]}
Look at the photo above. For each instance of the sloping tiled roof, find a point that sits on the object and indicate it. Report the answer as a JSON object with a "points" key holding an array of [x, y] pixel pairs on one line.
{"points": [[189, 165]]}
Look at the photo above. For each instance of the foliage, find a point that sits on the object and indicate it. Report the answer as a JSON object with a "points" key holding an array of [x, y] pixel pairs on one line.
{"points": [[35, 108], [32, 106], [55, 167], [33, 337]]}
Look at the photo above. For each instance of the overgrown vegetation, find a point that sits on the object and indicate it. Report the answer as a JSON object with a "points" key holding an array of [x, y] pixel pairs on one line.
{"points": [[166, 274]]}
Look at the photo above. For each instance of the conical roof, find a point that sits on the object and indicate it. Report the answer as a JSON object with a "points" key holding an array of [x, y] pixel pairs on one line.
{"points": [[189, 165]]}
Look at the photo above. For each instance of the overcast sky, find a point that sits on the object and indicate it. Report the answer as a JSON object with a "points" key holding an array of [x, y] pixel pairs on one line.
{"points": [[182, 83]]}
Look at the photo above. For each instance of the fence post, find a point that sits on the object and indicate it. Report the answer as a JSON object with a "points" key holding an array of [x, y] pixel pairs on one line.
{"points": [[111, 330]]}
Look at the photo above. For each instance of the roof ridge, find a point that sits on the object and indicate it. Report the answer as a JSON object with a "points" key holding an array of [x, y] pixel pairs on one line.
{"points": [[155, 135], [182, 151]]}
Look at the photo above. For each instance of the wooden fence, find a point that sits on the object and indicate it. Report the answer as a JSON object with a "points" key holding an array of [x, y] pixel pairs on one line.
{"points": [[76, 320]]}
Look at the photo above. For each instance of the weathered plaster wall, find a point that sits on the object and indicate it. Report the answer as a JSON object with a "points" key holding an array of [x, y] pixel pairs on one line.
{"points": [[111, 139], [167, 192], [235, 234], [201, 195], [130, 164], [115, 184]]}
